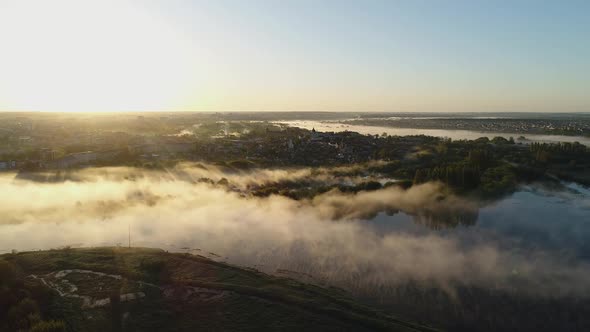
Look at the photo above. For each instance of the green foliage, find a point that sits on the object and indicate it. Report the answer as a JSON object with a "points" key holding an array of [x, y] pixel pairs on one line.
{"points": [[458, 175], [241, 164], [19, 314], [563, 147], [498, 180], [500, 140], [155, 269], [480, 158], [49, 326], [566, 152], [253, 300], [20, 308], [8, 274]]}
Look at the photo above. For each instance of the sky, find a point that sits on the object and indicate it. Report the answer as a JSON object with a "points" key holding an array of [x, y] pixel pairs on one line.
{"points": [[321, 55]]}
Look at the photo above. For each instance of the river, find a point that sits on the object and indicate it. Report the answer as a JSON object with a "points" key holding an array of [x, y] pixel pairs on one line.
{"points": [[279, 233], [453, 134], [493, 262]]}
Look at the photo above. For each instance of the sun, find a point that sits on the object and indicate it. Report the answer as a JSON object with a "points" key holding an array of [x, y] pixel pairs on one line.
{"points": [[91, 56]]}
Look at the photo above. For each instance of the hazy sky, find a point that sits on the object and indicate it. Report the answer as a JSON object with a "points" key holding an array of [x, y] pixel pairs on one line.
{"points": [[76, 55]]}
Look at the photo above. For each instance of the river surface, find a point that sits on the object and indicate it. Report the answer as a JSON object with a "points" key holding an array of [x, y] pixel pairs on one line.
{"points": [[278, 233], [530, 219], [453, 134], [470, 262]]}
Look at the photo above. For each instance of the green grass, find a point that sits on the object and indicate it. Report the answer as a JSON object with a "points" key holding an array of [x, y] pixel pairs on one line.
{"points": [[256, 301]]}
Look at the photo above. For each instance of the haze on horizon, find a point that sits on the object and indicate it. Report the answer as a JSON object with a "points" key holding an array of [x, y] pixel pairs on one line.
{"points": [[223, 55]]}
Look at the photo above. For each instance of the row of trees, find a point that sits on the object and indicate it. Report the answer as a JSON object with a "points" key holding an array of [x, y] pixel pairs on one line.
{"points": [[564, 152], [481, 169], [562, 147], [461, 175]]}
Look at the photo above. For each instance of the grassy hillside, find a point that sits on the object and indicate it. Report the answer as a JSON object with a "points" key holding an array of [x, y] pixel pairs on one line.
{"points": [[120, 289]]}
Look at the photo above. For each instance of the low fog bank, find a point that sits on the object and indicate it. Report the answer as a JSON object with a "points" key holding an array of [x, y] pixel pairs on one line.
{"points": [[238, 179], [325, 237]]}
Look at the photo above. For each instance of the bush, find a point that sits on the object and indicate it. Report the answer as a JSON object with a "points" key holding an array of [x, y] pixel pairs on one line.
{"points": [[156, 269], [8, 274], [242, 164], [19, 315], [49, 326], [498, 180]]}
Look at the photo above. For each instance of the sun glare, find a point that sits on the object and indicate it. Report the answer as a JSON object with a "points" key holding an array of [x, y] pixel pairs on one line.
{"points": [[87, 56]]}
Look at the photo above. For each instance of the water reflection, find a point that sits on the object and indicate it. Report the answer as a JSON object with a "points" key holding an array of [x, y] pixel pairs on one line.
{"points": [[446, 219], [530, 219], [536, 235], [439, 219]]}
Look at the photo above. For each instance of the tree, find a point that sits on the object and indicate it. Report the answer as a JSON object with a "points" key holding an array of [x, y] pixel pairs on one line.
{"points": [[419, 176], [49, 326], [499, 140]]}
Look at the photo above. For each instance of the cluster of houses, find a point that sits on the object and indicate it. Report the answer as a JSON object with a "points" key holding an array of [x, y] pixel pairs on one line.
{"points": [[278, 145], [48, 158], [291, 146]]}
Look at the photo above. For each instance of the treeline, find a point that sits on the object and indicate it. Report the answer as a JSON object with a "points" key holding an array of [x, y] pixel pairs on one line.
{"points": [[559, 153], [480, 169], [460, 175], [562, 147]]}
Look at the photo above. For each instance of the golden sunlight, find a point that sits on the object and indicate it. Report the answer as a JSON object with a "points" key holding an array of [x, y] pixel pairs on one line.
{"points": [[82, 56]]}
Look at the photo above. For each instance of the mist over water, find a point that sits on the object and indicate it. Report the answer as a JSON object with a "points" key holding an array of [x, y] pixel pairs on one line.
{"points": [[532, 242], [453, 134]]}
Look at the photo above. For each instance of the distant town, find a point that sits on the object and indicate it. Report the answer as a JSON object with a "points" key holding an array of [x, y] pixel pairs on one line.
{"points": [[31, 146], [564, 124], [39, 141]]}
